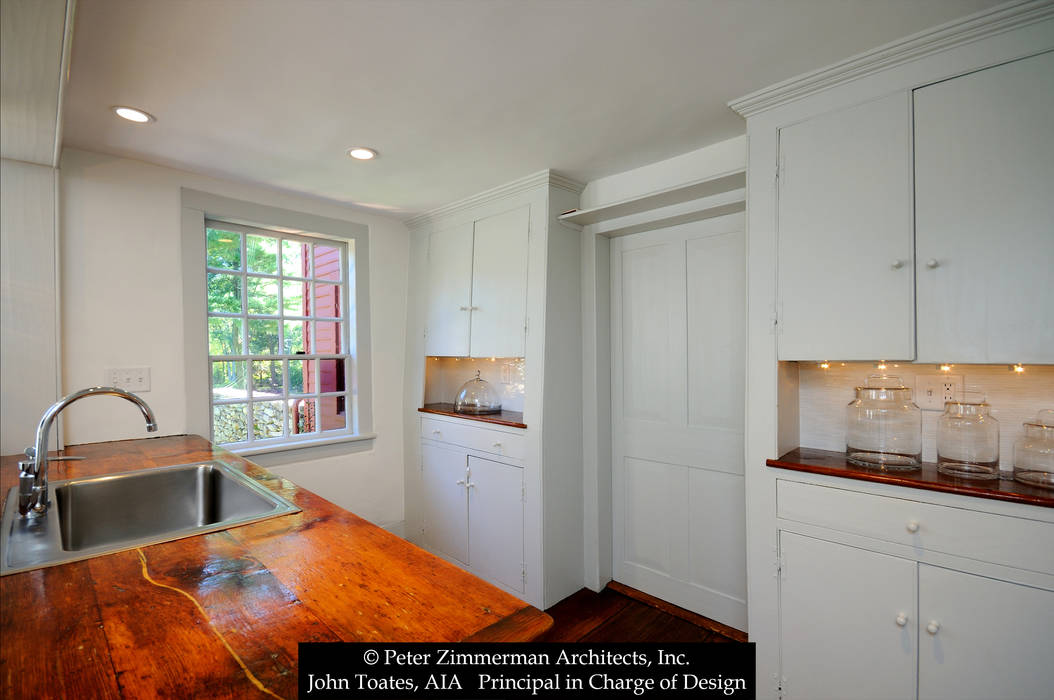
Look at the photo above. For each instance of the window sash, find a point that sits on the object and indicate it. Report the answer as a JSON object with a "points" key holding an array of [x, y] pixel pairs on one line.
{"points": [[286, 397]]}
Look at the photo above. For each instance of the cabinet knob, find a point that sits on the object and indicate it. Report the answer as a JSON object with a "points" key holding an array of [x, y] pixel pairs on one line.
{"points": [[463, 308], [460, 482], [470, 485], [473, 308], [902, 620], [933, 628], [913, 526], [897, 264], [436, 432], [932, 263], [497, 445]]}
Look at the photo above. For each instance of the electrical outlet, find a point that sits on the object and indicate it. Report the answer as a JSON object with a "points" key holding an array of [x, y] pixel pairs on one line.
{"points": [[506, 374], [133, 379], [932, 390]]}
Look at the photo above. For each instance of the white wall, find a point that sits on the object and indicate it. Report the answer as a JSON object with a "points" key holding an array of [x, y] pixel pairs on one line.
{"points": [[719, 158], [122, 306]]}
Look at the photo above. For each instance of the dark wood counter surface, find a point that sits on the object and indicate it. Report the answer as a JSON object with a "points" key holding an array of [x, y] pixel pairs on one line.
{"points": [[220, 615], [513, 419], [805, 459]]}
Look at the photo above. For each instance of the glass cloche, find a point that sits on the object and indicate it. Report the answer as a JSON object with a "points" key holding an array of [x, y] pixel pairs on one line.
{"points": [[477, 396]]}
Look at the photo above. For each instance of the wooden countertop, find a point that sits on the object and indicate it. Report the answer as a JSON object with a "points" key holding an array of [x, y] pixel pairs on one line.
{"points": [[220, 615], [513, 419], [814, 461]]}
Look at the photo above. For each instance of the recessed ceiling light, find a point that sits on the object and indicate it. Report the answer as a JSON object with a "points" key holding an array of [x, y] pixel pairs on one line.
{"points": [[360, 153], [132, 114]]}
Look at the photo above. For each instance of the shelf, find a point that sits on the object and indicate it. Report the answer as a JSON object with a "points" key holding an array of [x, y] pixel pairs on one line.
{"points": [[815, 461], [708, 187]]}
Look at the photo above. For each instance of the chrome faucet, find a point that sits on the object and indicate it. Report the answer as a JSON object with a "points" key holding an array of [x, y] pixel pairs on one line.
{"points": [[33, 473]]}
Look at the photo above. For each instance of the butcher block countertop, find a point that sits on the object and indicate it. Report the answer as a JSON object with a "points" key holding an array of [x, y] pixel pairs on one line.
{"points": [[220, 615]]}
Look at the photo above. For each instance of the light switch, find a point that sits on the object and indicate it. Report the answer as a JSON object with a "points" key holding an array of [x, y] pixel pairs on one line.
{"points": [[133, 379]]}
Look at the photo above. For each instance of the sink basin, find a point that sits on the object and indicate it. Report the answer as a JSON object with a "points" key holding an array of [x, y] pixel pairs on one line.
{"points": [[100, 515]]}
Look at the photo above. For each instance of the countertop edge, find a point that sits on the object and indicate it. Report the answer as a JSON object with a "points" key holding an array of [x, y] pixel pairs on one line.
{"points": [[795, 461]]}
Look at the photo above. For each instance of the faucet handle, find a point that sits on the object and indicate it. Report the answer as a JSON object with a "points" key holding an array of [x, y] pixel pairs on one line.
{"points": [[31, 452], [26, 478]]}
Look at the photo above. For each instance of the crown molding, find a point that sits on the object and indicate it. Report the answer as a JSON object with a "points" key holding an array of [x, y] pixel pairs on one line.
{"points": [[980, 25], [534, 181]]}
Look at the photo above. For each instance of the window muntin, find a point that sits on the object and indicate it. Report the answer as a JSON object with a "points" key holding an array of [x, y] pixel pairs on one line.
{"points": [[281, 330]]}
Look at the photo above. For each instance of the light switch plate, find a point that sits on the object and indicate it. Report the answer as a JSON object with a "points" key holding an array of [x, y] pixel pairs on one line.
{"points": [[932, 390], [133, 379]]}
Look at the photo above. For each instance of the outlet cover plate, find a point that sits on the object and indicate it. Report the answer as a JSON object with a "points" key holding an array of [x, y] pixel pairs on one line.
{"points": [[932, 390]]}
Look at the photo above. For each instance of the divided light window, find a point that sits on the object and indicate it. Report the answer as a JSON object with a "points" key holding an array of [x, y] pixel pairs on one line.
{"points": [[281, 317]]}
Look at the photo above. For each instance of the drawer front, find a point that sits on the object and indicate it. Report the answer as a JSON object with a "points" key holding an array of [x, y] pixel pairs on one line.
{"points": [[476, 438], [999, 539]]}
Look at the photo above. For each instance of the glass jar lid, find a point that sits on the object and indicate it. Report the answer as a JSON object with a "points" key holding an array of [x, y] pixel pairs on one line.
{"points": [[1044, 420], [884, 387]]}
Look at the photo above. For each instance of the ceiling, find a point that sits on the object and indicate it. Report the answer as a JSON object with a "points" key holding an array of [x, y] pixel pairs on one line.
{"points": [[458, 96]]}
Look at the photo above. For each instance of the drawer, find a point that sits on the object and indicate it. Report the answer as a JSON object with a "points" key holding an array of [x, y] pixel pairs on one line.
{"points": [[999, 539], [475, 438]]}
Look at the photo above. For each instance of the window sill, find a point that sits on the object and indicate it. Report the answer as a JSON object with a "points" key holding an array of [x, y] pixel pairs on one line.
{"points": [[300, 445]]}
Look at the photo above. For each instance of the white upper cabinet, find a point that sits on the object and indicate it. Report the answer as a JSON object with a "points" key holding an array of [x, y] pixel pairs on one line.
{"points": [[845, 240], [449, 291], [984, 177], [499, 284], [477, 287]]}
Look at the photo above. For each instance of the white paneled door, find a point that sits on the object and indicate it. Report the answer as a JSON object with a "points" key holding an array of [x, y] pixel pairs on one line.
{"points": [[678, 342]]}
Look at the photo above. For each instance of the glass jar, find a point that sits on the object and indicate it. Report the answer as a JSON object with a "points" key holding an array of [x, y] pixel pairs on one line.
{"points": [[968, 439], [884, 426], [1034, 452], [477, 397]]}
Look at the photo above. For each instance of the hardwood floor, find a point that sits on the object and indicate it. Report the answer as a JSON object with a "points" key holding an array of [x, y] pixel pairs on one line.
{"points": [[622, 614]]}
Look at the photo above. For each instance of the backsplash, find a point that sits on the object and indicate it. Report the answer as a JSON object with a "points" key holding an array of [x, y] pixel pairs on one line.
{"points": [[1015, 398], [445, 375]]}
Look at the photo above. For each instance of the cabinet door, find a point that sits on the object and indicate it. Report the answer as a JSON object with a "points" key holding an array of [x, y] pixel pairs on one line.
{"points": [[445, 506], [846, 249], [495, 507], [499, 284], [449, 292], [988, 639], [984, 169], [847, 626]]}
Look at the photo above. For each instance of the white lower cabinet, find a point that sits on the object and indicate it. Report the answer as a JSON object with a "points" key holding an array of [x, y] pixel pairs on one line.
{"points": [[841, 610], [495, 521], [445, 513], [983, 638], [864, 613], [474, 511]]}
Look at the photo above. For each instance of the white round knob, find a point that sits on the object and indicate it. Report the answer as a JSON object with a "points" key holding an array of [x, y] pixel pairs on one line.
{"points": [[932, 263], [460, 482], [934, 627], [464, 308], [436, 432], [902, 620], [897, 264], [913, 526], [497, 445]]}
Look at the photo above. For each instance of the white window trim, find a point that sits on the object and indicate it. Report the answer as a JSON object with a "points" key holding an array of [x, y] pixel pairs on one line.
{"points": [[199, 206]]}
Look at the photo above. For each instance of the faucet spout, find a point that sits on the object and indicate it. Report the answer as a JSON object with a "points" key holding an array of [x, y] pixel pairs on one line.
{"points": [[39, 452]]}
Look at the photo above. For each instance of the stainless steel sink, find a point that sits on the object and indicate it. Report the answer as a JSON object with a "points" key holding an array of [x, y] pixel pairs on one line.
{"points": [[105, 514]]}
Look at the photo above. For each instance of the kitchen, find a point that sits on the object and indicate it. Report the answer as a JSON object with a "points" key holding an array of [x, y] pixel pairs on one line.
{"points": [[123, 199]]}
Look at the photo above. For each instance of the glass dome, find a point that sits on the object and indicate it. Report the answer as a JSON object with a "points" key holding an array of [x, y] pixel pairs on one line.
{"points": [[477, 396]]}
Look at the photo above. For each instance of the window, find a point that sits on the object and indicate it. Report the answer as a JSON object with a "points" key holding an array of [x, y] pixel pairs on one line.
{"points": [[281, 330]]}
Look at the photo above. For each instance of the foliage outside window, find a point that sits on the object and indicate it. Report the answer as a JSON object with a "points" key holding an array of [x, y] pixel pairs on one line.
{"points": [[281, 329]]}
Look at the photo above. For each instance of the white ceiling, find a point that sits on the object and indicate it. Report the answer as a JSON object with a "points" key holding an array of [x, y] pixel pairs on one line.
{"points": [[457, 95]]}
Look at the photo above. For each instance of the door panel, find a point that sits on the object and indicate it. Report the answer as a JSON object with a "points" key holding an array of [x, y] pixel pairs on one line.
{"points": [[445, 505], [495, 506], [984, 168], [1003, 627], [449, 292], [677, 415], [839, 634], [845, 229], [499, 284]]}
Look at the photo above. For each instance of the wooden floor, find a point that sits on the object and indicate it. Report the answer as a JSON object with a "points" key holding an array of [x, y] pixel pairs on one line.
{"points": [[622, 614]]}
